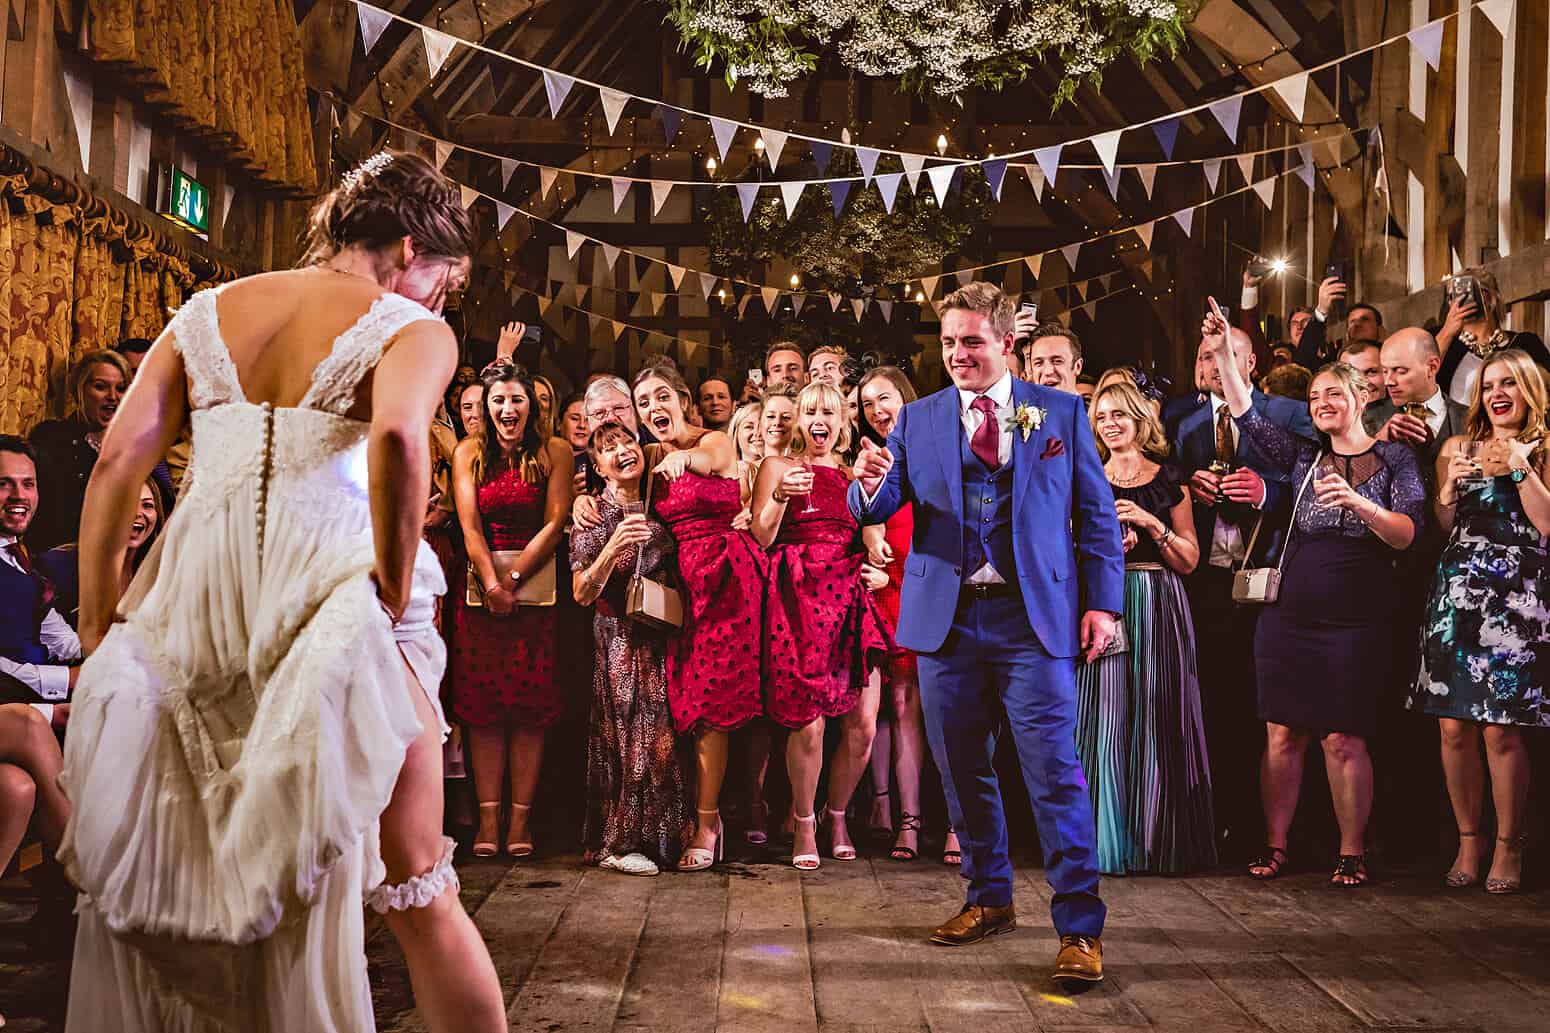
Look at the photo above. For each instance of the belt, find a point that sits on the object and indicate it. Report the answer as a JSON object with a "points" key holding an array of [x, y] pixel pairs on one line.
{"points": [[1001, 591]]}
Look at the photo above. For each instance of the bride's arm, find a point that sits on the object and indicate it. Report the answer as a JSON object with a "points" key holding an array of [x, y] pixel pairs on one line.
{"points": [[148, 422], [405, 391]]}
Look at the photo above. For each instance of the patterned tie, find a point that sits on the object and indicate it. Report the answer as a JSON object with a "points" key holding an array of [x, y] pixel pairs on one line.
{"points": [[46, 588], [1224, 447], [986, 442]]}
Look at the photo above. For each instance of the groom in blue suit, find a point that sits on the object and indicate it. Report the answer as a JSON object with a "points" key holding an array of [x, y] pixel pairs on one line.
{"points": [[1015, 567]]}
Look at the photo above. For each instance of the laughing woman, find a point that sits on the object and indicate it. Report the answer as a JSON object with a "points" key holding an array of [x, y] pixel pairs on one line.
{"points": [[823, 640]]}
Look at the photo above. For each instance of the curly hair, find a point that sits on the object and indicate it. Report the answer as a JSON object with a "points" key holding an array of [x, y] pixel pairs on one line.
{"points": [[530, 460], [389, 196]]}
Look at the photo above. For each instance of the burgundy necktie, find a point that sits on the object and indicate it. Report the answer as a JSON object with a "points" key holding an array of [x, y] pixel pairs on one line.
{"points": [[46, 588], [986, 442]]}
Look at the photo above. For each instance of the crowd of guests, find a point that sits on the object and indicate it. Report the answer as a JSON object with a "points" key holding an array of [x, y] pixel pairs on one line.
{"points": [[690, 552]]}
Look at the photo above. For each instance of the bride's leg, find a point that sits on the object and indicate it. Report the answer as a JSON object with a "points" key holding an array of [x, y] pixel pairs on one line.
{"points": [[455, 986]]}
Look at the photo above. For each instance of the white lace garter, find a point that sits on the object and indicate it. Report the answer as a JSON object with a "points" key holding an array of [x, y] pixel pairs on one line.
{"points": [[420, 890]]}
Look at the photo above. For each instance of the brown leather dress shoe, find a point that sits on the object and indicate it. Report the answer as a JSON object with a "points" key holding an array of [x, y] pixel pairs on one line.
{"points": [[1080, 960], [973, 924]]}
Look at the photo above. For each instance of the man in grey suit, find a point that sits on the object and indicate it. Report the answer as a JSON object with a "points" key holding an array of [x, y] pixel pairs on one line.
{"points": [[1410, 360]]}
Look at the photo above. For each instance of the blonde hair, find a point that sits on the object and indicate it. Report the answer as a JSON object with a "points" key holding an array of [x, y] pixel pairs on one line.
{"points": [[1531, 382], [745, 412], [1352, 380], [81, 372], [1151, 440], [814, 396], [1495, 310], [545, 419], [988, 300]]}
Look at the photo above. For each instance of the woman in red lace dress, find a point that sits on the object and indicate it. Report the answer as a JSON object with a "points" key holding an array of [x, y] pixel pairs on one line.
{"points": [[823, 640], [513, 488]]}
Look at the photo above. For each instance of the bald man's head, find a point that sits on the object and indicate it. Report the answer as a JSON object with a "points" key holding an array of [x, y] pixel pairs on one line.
{"points": [[1410, 363], [1208, 377]]}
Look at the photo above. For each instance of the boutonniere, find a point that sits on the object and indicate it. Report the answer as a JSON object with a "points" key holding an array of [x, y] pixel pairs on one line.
{"points": [[1028, 418]]}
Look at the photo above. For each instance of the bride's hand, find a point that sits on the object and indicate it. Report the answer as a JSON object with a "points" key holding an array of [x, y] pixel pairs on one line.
{"points": [[393, 603]]}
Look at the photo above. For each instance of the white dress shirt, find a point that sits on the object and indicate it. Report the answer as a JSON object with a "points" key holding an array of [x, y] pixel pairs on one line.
{"points": [[1439, 412], [1000, 394], [50, 681], [1227, 544]]}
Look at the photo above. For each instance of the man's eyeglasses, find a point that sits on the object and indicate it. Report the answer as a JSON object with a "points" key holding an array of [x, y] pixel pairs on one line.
{"points": [[617, 413]]}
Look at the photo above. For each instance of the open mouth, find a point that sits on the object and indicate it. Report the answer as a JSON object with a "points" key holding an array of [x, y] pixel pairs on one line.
{"points": [[138, 528], [661, 423], [1500, 407], [1325, 413], [509, 422], [628, 463], [17, 510], [818, 434]]}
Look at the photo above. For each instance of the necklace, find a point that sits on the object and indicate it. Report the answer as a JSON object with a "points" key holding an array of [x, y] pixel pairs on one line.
{"points": [[1485, 349], [1126, 481]]}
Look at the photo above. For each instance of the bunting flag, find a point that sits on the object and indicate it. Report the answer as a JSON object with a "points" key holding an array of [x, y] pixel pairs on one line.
{"points": [[1148, 174], [1035, 180], [508, 167], [1213, 171], [503, 214], [657, 297], [747, 193], [617, 327], [1167, 133], [791, 196], [1048, 159], [1034, 263], [913, 165], [965, 277], [1246, 166], [774, 144], [886, 308], [621, 191], [707, 284], [659, 195], [1144, 232], [671, 119], [797, 301], [544, 301], [1071, 252], [928, 285], [557, 86], [1081, 289], [1427, 40], [573, 242], [1293, 90], [1227, 112], [822, 152], [1497, 12], [838, 191], [546, 179], [867, 157], [1304, 172], [226, 196], [1107, 146], [611, 254], [941, 177], [443, 152], [1266, 189], [888, 186], [834, 301], [676, 274], [613, 106], [1112, 179], [469, 196], [995, 173], [1090, 310], [1185, 217], [771, 296], [438, 46], [858, 306], [373, 22], [723, 131]]}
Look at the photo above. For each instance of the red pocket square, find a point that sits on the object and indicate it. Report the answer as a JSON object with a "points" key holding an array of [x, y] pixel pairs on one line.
{"points": [[1052, 448]]}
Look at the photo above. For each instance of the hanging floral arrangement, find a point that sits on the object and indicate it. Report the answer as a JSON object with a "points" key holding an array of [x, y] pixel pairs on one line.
{"points": [[937, 47]]}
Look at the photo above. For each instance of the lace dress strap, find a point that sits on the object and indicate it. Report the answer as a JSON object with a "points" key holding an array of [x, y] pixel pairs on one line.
{"points": [[357, 351], [196, 336]]}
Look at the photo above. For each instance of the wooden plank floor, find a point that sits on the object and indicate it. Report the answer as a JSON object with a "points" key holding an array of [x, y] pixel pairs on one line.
{"points": [[759, 947]]}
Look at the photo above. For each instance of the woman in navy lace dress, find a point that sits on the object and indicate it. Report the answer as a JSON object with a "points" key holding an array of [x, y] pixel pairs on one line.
{"points": [[1356, 502]]}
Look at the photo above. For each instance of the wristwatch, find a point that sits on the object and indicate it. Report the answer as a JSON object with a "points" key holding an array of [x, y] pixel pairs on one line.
{"points": [[1518, 476]]}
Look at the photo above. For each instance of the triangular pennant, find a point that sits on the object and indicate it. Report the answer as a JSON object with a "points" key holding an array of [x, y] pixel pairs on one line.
{"points": [[1266, 189], [913, 164], [657, 297], [78, 89], [1427, 40], [1107, 146], [1035, 180], [1246, 166], [1304, 172], [858, 306], [1167, 133], [557, 86], [928, 285], [1111, 178], [1105, 280], [1049, 161], [1090, 310], [613, 106], [791, 194], [747, 193], [822, 152], [1081, 287], [888, 186], [671, 119], [611, 254], [1148, 174], [797, 301], [838, 191], [834, 302], [373, 22], [226, 196], [443, 152], [469, 195], [1034, 263], [1185, 217], [965, 277], [1213, 169], [621, 191], [544, 301], [723, 131], [503, 214], [438, 45], [659, 191], [508, 168], [886, 308], [941, 177], [594, 321], [774, 143], [546, 179], [771, 298], [617, 327], [1294, 91], [707, 284], [1144, 231], [573, 242], [867, 157], [995, 173], [1227, 112], [1071, 252], [676, 274], [1498, 12]]}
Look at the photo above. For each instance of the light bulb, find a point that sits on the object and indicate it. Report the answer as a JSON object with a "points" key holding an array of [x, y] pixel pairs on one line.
{"points": [[920, 295], [758, 144], [722, 294], [941, 143], [796, 281], [1278, 266], [710, 164]]}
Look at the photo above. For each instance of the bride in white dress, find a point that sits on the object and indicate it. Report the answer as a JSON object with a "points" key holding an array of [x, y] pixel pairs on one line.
{"points": [[255, 739]]}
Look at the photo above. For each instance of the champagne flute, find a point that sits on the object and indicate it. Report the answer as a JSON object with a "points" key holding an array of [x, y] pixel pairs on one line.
{"points": [[812, 481]]}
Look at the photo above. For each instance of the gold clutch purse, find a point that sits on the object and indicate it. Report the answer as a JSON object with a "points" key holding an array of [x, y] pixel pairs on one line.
{"points": [[538, 589]]}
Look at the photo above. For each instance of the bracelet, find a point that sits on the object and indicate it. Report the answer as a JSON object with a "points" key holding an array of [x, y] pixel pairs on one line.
{"points": [[776, 496], [1165, 539]]}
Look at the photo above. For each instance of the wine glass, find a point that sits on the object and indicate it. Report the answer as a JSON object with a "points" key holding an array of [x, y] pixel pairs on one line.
{"points": [[811, 484]]}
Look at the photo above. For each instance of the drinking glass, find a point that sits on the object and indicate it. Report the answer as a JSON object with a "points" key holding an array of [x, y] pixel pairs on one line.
{"points": [[813, 483], [1475, 452]]}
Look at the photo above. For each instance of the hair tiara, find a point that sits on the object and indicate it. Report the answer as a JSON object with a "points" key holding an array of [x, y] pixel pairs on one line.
{"points": [[370, 167]]}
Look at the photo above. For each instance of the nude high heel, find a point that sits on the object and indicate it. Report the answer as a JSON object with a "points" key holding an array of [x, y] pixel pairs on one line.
{"points": [[806, 862], [699, 859]]}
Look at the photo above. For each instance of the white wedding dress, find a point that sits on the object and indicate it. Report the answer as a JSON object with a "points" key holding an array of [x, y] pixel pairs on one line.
{"points": [[235, 739]]}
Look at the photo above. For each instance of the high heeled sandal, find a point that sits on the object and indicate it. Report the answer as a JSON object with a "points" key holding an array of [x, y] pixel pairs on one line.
{"points": [[806, 862], [951, 858], [879, 833], [1504, 887], [522, 848], [1268, 865], [1350, 872], [1458, 880], [757, 832], [839, 851], [487, 847], [907, 823], [697, 858]]}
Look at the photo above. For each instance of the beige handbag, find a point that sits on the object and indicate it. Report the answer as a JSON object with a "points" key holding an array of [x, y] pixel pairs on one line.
{"points": [[539, 588], [1262, 585], [646, 600]]}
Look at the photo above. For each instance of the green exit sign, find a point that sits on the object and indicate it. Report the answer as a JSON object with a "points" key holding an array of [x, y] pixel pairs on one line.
{"points": [[189, 202]]}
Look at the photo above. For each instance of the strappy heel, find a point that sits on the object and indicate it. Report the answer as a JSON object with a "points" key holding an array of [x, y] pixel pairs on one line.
{"points": [[907, 823], [1503, 887], [487, 847], [697, 858], [879, 833], [1268, 865], [806, 862], [523, 848], [1461, 880], [1350, 872], [951, 858], [839, 851]]}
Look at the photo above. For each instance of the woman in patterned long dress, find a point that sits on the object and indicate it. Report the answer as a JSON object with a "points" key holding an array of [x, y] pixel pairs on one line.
{"points": [[637, 800], [713, 669], [823, 641], [1139, 728], [513, 487], [1485, 661], [1357, 503]]}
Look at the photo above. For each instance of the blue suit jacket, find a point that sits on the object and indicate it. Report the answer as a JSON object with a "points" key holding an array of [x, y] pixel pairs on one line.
{"points": [[1065, 536], [1194, 446]]}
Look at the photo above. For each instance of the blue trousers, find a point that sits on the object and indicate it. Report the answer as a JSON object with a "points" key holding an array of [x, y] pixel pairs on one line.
{"points": [[989, 674]]}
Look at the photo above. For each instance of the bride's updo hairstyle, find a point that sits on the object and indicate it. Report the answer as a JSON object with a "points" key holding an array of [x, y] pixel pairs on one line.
{"points": [[387, 197]]}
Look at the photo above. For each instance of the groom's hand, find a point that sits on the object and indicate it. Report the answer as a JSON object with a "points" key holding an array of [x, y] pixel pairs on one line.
{"points": [[1097, 632], [872, 465]]}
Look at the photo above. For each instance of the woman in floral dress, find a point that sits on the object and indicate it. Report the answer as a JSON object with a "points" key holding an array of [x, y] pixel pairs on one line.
{"points": [[1486, 652]]}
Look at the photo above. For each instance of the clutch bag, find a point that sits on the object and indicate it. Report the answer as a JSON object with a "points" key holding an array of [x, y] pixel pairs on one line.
{"points": [[537, 589]]}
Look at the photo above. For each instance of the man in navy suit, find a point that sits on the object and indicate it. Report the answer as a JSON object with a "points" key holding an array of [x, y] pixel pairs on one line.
{"points": [[1015, 566], [1227, 510]]}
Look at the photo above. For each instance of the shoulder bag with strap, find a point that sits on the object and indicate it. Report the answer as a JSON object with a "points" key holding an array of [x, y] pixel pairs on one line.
{"points": [[1263, 584], [646, 600]]}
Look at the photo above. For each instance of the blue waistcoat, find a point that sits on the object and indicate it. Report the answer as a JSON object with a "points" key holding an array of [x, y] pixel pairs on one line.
{"points": [[987, 515], [19, 597]]}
